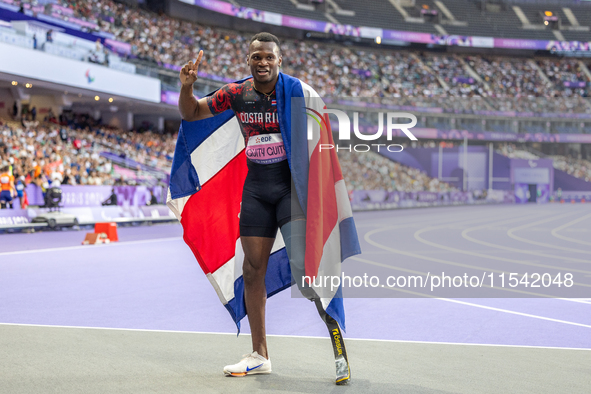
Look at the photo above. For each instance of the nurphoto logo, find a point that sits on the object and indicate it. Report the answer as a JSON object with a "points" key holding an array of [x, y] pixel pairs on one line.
{"points": [[344, 129]]}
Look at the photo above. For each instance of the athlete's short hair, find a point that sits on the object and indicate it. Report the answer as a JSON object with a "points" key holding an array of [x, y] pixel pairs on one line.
{"points": [[265, 37]]}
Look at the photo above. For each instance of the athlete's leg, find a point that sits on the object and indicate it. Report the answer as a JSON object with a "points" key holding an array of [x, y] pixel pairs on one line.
{"points": [[258, 228], [338, 345], [256, 252], [294, 235]]}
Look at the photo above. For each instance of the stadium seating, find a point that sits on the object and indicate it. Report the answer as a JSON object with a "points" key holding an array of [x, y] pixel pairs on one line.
{"points": [[169, 42], [573, 166], [371, 171], [79, 154]]}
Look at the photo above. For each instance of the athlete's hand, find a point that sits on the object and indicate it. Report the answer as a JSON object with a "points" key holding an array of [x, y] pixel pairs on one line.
{"points": [[188, 74]]}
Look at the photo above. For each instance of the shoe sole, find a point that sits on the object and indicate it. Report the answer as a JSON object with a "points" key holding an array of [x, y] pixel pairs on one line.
{"points": [[242, 374]]}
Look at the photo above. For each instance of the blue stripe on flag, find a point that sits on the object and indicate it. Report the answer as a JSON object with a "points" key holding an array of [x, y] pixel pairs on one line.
{"points": [[184, 180], [296, 148], [349, 239], [236, 305], [336, 308]]}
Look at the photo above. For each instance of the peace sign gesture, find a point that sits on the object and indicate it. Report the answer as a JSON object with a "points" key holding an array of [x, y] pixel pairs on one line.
{"points": [[188, 74]]}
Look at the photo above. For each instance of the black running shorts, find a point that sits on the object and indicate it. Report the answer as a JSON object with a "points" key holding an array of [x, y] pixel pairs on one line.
{"points": [[268, 199]]}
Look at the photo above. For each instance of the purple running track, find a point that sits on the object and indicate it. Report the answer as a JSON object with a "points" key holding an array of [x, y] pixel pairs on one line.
{"points": [[150, 280]]}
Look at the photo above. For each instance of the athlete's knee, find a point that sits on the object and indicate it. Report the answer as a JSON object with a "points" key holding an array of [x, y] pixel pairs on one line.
{"points": [[252, 271]]}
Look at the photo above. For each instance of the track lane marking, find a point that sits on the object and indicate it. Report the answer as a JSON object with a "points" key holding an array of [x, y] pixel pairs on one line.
{"points": [[89, 247], [417, 236], [292, 336], [555, 231], [546, 245]]}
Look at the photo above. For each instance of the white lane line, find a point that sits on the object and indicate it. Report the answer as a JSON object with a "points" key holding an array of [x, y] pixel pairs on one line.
{"points": [[515, 313], [292, 336], [555, 231], [90, 247], [367, 238], [426, 274], [418, 237], [455, 301], [546, 245]]}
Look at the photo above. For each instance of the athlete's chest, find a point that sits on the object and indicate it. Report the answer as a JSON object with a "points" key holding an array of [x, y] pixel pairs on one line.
{"points": [[257, 112]]}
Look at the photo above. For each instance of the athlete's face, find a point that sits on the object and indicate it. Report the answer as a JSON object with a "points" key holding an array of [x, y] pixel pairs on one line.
{"points": [[264, 61]]}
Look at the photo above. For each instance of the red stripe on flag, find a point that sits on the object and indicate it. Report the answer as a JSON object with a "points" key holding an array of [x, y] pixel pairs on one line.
{"points": [[210, 217], [322, 215]]}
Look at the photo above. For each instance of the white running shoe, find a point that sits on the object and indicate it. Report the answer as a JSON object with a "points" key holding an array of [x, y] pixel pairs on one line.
{"points": [[250, 364]]}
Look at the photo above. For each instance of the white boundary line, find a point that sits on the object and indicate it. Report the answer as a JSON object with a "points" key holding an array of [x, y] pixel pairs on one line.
{"points": [[291, 336], [89, 247], [515, 313]]}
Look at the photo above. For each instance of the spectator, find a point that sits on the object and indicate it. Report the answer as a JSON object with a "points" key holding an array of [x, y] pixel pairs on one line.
{"points": [[153, 199], [112, 200], [21, 192], [7, 189]]}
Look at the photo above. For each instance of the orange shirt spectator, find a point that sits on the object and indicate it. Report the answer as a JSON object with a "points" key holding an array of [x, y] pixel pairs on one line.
{"points": [[7, 190], [37, 172], [6, 181]]}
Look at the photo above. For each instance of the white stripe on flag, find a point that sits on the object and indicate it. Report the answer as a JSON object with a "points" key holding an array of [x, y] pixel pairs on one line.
{"points": [[279, 243], [217, 150], [343, 204], [224, 277], [177, 205], [312, 100], [216, 285]]}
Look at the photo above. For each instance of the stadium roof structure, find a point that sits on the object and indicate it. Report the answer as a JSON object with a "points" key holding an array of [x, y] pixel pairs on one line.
{"points": [[75, 97]]}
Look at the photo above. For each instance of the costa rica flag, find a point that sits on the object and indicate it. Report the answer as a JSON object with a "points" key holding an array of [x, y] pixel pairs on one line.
{"points": [[207, 177]]}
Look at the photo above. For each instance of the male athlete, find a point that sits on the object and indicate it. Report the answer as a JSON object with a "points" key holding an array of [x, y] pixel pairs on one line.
{"points": [[268, 200]]}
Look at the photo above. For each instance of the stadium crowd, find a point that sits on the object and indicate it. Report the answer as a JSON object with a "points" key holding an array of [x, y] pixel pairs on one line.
{"points": [[458, 83], [371, 171], [416, 79], [47, 153], [575, 166]]}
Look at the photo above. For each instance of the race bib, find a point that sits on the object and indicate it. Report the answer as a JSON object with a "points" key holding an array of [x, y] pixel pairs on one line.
{"points": [[5, 179], [266, 149]]}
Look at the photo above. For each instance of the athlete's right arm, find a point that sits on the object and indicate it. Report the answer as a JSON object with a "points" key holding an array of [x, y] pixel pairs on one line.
{"points": [[190, 108]]}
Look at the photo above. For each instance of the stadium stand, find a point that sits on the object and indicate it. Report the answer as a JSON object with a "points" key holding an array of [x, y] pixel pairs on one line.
{"points": [[456, 83], [286, 7], [382, 14], [83, 153], [400, 77], [470, 18], [574, 166], [371, 171], [578, 168], [169, 43]]}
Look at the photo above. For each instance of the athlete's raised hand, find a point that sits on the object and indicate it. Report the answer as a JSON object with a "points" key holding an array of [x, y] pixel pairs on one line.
{"points": [[188, 74]]}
